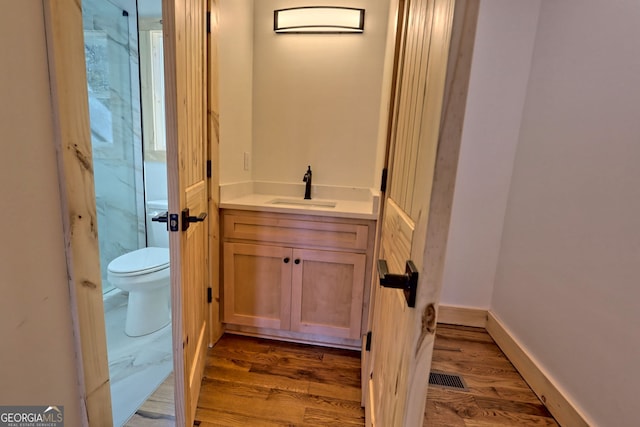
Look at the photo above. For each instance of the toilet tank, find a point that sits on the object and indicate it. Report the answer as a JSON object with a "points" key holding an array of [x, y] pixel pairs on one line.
{"points": [[157, 234]]}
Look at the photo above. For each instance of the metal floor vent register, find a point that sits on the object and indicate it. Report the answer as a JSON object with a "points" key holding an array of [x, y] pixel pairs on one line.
{"points": [[452, 381]]}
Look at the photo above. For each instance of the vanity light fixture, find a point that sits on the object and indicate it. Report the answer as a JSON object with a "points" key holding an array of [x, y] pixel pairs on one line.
{"points": [[318, 20]]}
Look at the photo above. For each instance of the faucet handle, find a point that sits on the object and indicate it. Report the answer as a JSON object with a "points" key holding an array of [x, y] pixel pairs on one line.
{"points": [[307, 174], [307, 179]]}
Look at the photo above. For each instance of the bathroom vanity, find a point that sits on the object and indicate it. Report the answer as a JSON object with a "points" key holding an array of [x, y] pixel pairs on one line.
{"points": [[297, 269]]}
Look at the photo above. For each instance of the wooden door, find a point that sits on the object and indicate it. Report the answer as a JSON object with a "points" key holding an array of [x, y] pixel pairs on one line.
{"points": [[213, 136], [185, 43], [326, 292], [428, 105], [257, 285]]}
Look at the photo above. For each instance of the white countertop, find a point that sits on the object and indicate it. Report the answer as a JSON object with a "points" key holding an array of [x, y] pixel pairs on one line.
{"points": [[362, 203]]}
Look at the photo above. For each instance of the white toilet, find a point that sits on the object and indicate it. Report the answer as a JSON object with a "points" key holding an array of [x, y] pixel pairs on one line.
{"points": [[144, 273]]}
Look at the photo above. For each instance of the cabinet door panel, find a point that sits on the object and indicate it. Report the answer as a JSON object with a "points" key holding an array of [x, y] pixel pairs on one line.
{"points": [[327, 291], [257, 285]]}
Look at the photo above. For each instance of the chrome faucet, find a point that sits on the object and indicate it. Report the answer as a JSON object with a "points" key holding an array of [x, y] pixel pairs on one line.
{"points": [[307, 179]]}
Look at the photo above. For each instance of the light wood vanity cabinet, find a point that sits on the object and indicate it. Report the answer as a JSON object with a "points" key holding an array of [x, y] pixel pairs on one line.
{"points": [[300, 277]]}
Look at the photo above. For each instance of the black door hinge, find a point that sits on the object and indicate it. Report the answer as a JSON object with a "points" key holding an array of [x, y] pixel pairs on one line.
{"points": [[208, 168], [368, 344], [209, 295], [383, 184], [208, 22]]}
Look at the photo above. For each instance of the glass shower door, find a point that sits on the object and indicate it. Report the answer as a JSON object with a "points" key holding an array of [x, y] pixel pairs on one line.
{"points": [[114, 109]]}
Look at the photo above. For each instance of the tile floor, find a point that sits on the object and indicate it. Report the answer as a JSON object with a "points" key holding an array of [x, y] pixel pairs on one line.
{"points": [[137, 366]]}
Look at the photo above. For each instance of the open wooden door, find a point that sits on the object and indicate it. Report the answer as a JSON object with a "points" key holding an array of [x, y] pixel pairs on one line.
{"points": [[185, 46], [431, 74], [215, 326]]}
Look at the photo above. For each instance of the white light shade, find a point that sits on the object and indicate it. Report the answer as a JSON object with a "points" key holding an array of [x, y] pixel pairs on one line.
{"points": [[318, 19]]}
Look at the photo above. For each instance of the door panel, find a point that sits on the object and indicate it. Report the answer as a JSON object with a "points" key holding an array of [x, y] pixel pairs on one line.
{"points": [[412, 86], [257, 285], [184, 25], [213, 134], [326, 292], [194, 281], [423, 160], [395, 243]]}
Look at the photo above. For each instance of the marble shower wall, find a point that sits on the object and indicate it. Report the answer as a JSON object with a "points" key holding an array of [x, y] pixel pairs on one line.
{"points": [[111, 48]]}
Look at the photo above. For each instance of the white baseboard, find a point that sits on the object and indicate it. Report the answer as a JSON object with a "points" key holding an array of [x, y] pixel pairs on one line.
{"points": [[462, 316], [563, 410]]}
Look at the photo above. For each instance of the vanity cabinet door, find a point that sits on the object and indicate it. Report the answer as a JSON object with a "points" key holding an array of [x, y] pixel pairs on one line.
{"points": [[257, 285], [326, 293]]}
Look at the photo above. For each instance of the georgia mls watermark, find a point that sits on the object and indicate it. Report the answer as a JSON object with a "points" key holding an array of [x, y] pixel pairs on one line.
{"points": [[31, 416]]}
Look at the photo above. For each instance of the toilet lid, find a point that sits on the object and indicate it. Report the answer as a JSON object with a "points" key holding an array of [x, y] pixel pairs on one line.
{"points": [[141, 261]]}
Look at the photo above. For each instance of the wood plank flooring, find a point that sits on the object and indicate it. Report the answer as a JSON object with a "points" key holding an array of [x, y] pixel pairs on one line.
{"points": [[255, 382], [158, 410], [497, 396]]}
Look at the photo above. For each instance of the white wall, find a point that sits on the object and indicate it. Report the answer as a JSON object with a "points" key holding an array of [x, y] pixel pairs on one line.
{"points": [[316, 100], [155, 180], [568, 277], [499, 75], [236, 88], [37, 360]]}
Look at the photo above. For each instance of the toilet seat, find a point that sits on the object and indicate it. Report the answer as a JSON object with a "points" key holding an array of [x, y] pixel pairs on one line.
{"points": [[145, 274], [140, 262]]}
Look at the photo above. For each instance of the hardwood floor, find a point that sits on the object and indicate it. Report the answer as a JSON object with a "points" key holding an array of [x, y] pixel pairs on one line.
{"points": [[255, 382], [158, 410], [497, 396]]}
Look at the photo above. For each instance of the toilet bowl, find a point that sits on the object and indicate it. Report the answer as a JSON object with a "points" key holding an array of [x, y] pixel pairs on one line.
{"points": [[145, 274]]}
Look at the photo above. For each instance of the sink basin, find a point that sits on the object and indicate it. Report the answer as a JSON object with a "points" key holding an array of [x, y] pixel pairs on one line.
{"points": [[303, 202]]}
